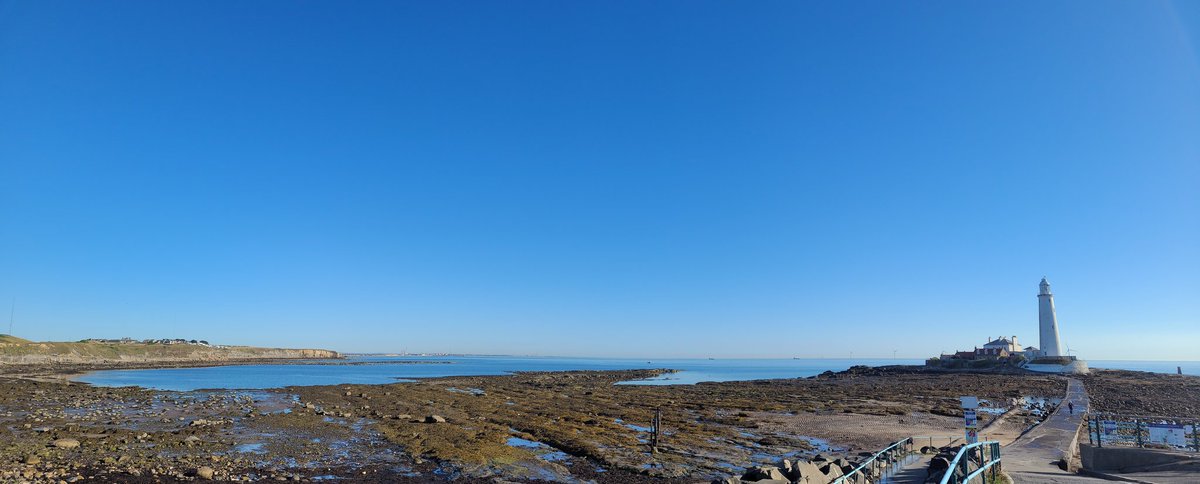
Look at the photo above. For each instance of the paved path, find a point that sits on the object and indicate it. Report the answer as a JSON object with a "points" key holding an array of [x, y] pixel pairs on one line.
{"points": [[913, 473], [1033, 458]]}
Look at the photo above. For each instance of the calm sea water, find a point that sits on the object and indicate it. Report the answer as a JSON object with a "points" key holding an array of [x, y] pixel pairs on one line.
{"points": [[391, 369]]}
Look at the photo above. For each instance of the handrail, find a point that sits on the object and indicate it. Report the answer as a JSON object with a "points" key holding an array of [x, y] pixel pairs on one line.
{"points": [[867, 462], [963, 451], [980, 470]]}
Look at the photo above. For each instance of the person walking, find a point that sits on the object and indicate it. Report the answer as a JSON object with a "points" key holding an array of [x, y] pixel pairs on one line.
{"points": [[1071, 407]]}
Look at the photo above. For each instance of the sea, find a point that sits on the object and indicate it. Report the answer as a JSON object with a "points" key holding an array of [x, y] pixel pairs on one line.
{"points": [[392, 369]]}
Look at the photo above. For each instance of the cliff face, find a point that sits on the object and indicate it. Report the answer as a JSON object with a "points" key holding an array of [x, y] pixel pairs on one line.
{"points": [[30, 353]]}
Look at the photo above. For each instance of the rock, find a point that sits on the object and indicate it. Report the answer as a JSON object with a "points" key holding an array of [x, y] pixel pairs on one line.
{"points": [[435, 419], [801, 470], [768, 481], [32, 459], [938, 464], [191, 439], [205, 472], [66, 443], [763, 473], [728, 480], [832, 471]]}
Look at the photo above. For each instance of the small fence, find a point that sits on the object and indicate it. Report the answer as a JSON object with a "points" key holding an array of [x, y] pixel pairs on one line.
{"points": [[974, 461], [881, 466], [1171, 433]]}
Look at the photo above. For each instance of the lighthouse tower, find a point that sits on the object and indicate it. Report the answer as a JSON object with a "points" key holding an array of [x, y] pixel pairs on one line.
{"points": [[1047, 322]]}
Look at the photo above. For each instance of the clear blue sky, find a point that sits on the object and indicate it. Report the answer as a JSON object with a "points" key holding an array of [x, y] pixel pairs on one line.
{"points": [[603, 178]]}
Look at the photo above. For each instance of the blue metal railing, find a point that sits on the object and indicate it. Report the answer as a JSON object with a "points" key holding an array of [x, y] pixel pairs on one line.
{"points": [[960, 470], [881, 465]]}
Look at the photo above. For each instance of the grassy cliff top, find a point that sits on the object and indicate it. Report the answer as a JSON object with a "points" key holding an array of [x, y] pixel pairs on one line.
{"points": [[8, 339]]}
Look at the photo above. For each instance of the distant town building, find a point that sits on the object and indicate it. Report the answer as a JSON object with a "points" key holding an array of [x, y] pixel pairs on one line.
{"points": [[165, 341]]}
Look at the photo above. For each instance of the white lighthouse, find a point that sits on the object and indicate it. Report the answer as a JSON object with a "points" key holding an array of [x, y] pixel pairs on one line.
{"points": [[1047, 322]]}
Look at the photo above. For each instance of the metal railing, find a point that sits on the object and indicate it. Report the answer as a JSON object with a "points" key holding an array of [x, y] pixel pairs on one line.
{"points": [[972, 461], [879, 467], [1114, 430]]}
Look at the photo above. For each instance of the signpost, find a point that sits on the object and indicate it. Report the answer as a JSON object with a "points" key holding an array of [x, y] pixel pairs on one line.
{"points": [[970, 419]]}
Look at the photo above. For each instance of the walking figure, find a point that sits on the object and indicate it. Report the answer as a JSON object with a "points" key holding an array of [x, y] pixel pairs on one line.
{"points": [[1071, 407]]}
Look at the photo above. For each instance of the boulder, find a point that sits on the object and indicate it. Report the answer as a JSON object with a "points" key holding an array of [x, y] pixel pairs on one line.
{"points": [[761, 473], [435, 419], [728, 480], [66, 443], [205, 472], [938, 464], [832, 471], [802, 469]]}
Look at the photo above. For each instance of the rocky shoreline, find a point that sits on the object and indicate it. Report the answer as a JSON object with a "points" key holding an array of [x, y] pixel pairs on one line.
{"points": [[557, 426], [527, 427]]}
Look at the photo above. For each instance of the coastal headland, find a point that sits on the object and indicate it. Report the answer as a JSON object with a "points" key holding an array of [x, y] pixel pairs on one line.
{"points": [[48, 359]]}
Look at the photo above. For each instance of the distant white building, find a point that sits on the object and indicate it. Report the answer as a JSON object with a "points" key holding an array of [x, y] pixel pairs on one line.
{"points": [[1049, 356], [1047, 322], [1000, 346]]}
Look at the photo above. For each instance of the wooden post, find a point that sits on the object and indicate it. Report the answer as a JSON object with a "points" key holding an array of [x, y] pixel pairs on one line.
{"points": [[656, 426]]}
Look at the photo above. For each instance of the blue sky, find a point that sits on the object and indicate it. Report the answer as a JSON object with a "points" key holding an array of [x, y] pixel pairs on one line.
{"points": [[769, 179]]}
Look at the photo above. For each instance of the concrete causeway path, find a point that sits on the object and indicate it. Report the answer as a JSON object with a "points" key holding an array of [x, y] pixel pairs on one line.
{"points": [[1033, 458], [913, 473]]}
